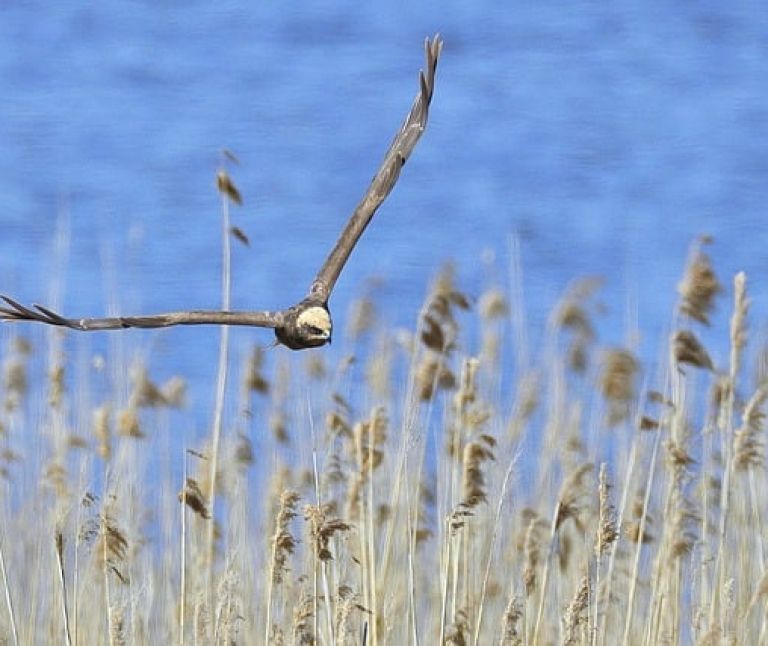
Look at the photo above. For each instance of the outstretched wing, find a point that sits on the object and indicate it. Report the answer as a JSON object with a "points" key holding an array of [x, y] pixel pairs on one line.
{"points": [[386, 177], [13, 311]]}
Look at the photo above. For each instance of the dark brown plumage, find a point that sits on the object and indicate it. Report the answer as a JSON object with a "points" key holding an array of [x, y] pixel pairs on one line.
{"points": [[308, 323]]}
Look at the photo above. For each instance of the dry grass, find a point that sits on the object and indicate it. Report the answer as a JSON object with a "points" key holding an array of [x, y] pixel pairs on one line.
{"points": [[414, 492]]}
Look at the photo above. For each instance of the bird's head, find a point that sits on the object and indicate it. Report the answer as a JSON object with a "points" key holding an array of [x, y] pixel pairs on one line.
{"points": [[314, 324]]}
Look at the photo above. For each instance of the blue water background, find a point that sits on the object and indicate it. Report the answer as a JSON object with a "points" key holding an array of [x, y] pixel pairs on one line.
{"points": [[602, 136]]}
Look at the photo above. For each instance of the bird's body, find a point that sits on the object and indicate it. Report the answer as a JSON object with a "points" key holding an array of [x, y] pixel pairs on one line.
{"points": [[307, 324]]}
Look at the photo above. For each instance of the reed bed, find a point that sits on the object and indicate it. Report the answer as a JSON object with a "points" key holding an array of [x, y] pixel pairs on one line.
{"points": [[447, 484]]}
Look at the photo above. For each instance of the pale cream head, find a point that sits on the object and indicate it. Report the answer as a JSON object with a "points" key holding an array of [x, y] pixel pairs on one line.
{"points": [[315, 321]]}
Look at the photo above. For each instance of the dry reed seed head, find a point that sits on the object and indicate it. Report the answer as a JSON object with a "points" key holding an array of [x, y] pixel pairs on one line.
{"points": [[573, 441], [473, 479], [439, 328], [9, 455], [607, 532], [383, 513], [532, 544], [527, 397], [341, 402], [55, 476], [192, 496], [112, 549], [493, 304], [306, 480], [460, 300], [618, 383], [202, 617], [334, 471], [322, 529], [174, 392], [720, 392], [128, 423], [57, 386], [368, 435], [254, 379], [76, 441], [467, 392], [574, 614], [347, 602], [740, 312], [118, 631], [378, 371], [457, 633], [631, 530], [432, 334], [22, 346], [655, 397], [748, 447], [638, 506], [240, 235], [646, 423], [315, 366], [572, 310], [89, 531], [338, 424], [102, 431], [445, 280], [618, 376], [422, 535], [681, 533], [361, 318], [227, 187], [578, 355], [229, 606], [470, 413], [699, 288], [527, 515], [278, 424], [14, 382], [432, 375], [513, 613], [490, 348], [344, 607], [573, 316], [303, 614], [283, 541], [677, 455], [572, 492], [686, 348], [244, 451], [147, 394]]}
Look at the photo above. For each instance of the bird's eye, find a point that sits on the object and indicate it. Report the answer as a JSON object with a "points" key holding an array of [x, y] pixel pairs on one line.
{"points": [[316, 330]]}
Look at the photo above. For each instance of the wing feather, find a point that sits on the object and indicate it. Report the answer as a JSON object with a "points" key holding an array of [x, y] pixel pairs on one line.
{"points": [[14, 311], [386, 177]]}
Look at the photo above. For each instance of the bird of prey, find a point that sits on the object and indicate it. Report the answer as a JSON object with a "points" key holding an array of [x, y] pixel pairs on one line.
{"points": [[308, 323]]}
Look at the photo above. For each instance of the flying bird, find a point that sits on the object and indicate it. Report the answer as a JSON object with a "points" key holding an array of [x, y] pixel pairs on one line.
{"points": [[307, 324]]}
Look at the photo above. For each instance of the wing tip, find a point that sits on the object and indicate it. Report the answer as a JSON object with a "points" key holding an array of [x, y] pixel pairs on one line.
{"points": [[432, 50]]}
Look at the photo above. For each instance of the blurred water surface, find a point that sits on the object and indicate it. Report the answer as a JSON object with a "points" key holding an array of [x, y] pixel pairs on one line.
{"points": [[603, 136]]}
